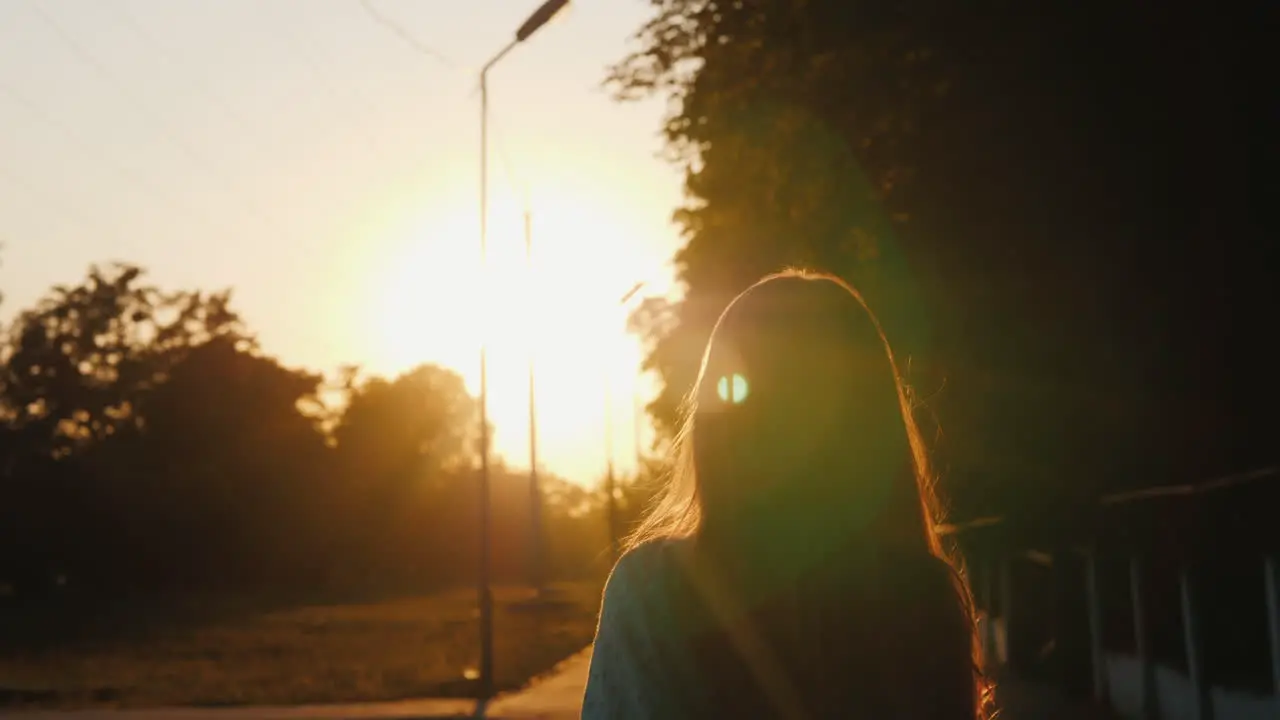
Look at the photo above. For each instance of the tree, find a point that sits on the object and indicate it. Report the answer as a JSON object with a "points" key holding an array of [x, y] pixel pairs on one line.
{"points": [[234, 468], [76, 370], [79, 361], [993, 180], [795, 123], [149, 448], [425, 416], [405, 453]]}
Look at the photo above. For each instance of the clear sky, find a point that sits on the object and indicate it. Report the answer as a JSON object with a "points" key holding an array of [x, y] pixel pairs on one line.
{"points": [[304, 155]]}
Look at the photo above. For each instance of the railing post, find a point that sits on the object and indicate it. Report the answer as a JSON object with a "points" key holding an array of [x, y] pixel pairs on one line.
{"points": [[1195, 658], [1072, 658], [1147, 680], [1272, 570], [985, 599], [1012, 656], [1096, 646]]}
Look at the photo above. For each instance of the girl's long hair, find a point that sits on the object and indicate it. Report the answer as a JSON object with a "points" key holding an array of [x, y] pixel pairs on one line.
{"points": [[800, 466]]}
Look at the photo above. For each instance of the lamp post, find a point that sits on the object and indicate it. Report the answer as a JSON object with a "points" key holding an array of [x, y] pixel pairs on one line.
{"points": [[610, 482], [540, 17]]}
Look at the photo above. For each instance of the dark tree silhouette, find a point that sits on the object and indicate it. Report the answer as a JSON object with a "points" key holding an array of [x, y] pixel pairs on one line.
{"points": [[1023, 193], [79, 361], [424, 415], [77, 370], [405, 452], [149, 448]]}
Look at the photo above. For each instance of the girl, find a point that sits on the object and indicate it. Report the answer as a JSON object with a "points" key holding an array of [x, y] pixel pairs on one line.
{"points": [[792, 569]]}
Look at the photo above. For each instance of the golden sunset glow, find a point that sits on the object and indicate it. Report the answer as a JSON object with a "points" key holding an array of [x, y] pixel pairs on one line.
{"points": [[331, 180], [430, 302]]}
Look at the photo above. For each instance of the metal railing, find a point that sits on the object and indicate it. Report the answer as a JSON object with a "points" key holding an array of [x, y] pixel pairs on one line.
{"points": [[1162, 602]]}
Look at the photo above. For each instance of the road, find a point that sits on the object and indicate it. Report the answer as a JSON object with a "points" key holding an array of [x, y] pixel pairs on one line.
{"points": [[556, 697]]}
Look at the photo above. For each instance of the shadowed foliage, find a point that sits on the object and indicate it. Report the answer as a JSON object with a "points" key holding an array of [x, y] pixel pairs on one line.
{"points": [[151, 455], [1054, 209]]}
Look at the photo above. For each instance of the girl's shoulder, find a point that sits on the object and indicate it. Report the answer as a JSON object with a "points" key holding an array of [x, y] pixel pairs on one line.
{"points": [[648, 568], [650, 587]]}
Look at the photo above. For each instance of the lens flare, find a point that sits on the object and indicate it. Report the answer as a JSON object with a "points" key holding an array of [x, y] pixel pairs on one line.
{"points": [[732, 389]]}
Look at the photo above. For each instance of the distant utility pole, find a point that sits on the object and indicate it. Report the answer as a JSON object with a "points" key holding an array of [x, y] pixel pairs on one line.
{"points": [[536, 569], [637, 424], [610, 480]]}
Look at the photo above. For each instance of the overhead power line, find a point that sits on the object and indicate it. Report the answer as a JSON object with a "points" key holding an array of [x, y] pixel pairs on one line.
{"points": [[168, 54], [407, 37], [355, 105], [88, 59], [128, 175]]}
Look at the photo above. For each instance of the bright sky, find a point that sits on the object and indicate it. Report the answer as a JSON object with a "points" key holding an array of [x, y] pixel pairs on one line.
{"points": [[303, 154]]}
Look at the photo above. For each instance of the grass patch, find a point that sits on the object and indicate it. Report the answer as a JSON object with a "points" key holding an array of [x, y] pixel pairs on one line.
{"points": [[387, 650]]}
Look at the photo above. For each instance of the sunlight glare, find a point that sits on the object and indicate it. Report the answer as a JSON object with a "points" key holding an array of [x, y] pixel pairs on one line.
{"points": [[559, 310]]}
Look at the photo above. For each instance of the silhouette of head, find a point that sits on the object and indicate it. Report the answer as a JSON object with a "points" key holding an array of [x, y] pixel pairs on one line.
{"points": [[799, 423], [799, 432]]}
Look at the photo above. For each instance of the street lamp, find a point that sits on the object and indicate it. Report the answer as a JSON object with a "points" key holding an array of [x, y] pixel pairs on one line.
{"points": [[535, 21]]}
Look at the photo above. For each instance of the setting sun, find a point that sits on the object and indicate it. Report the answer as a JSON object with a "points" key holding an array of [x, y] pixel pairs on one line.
{"points": [[562, 308], [331, 181]]}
